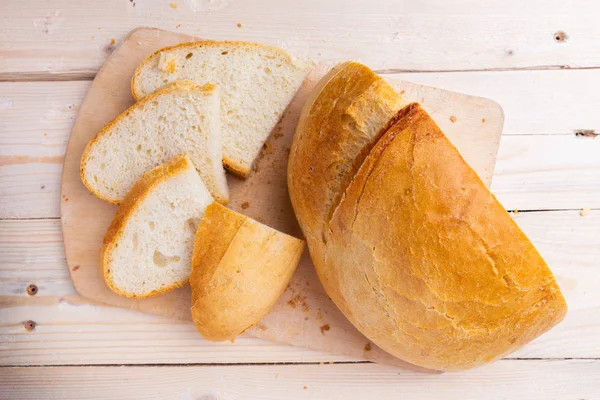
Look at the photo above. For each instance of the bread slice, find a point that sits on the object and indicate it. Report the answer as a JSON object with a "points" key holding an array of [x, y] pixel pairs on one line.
{"points": [[182, 117], [257, 82], [147, 249], [239, 269]]}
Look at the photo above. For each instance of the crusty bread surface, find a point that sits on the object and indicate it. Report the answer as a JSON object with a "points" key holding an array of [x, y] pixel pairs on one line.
{"points": [[147, 249], [405, 237], [240, 268], [257, 82], [182, 117]]}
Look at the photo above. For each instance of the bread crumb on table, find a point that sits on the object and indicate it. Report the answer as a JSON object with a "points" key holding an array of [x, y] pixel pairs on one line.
{"points": [[452, 119], [239, 25], [112, 41], [245, 205], [584, 212], [174, 5], [368, 347], [305, 387], [483, 120], [324, 329]]}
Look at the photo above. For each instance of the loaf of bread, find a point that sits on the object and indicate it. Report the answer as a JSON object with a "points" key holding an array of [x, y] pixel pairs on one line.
{"points": [[182, 117], [405, 237], [257, 82], [147, 249], [239, 269]]}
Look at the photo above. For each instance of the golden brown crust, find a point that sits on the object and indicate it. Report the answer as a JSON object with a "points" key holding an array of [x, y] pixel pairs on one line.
{"points": [[239, 270], [192, 45], [142, 188], [345, 110], [174, 86], [235, 168], [415, 250]]}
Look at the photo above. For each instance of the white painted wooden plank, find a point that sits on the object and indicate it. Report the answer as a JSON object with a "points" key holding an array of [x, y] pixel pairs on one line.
{"points": [[35, 123], [507, 379], [69, 331], [32, 143], [534, 172], [534, 102], [44, 38]]}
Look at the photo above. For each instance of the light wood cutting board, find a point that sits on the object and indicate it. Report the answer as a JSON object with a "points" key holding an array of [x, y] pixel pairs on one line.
{"points": [[304, 316]]}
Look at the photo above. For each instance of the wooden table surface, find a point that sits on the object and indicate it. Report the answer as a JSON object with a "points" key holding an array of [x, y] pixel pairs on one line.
{"points": [[540, 59]]}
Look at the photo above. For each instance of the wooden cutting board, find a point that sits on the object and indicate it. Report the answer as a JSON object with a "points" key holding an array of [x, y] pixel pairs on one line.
{"points": [[304, 316]]}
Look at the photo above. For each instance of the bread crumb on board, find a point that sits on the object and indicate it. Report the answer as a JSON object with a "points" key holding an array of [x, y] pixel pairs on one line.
{"points": [[452, 119], [368, 347], [584, 212], [324, 329]]}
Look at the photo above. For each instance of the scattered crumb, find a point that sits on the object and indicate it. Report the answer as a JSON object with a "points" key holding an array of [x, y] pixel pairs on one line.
{"points": [[319, 316], [299, 301], [321, 363], [305, 307], [93, 37], [245, 205], [268, 148], [586, 133], [292, 303], [305, 387], [262, 327], [330, 362], [232, 340], [306, 318], [277, 376], [368, 347], [112, 42], [584, 212], [402, 92], [43, 187], [239, 25], [174, 5], [139, 43], [516, 211], [75, 268], [483, 120], [45, 134], [278, 133], [307, 283], [324, 329], [452, 118], [178, 26], [287, 151]]}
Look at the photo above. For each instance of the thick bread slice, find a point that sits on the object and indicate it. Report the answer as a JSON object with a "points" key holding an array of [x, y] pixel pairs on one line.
{"points": [[182, 117], [408, 241], [147, 249], [239, 270], [257, 82]]}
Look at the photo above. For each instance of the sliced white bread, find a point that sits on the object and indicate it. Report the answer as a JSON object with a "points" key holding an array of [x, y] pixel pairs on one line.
{"points": [[240, 268], [257, 83], [182, 117], [147, 249]]}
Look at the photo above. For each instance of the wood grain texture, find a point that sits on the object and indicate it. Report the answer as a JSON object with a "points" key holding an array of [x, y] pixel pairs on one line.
{"points": [[507, 379], [535, 102], [537, 172], [71, 331], [41, 39]]}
